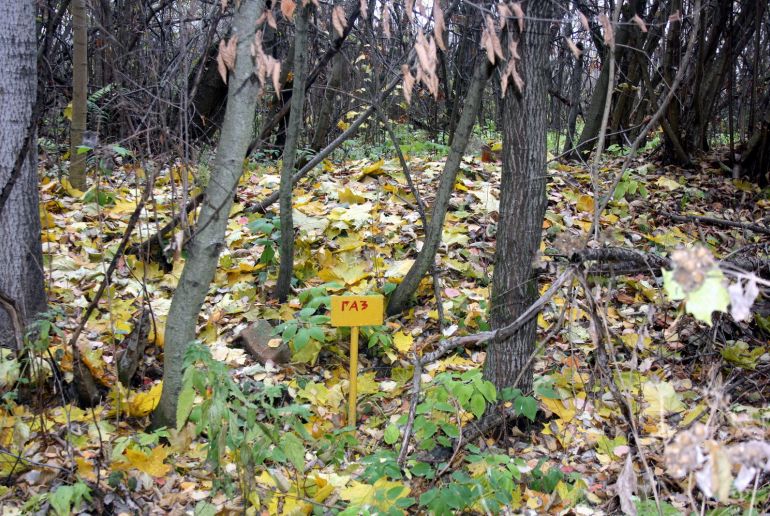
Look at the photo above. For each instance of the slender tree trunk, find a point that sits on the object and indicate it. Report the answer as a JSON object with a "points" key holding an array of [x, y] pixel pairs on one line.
{"points": [[21, 263], [325, 116], [522, 203], [425, 258], [575, 94], [208, 241], [286, 268], [79, 92]]}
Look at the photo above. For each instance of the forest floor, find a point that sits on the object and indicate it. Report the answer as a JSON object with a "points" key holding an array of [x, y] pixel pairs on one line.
{"points": [[357, 231]]}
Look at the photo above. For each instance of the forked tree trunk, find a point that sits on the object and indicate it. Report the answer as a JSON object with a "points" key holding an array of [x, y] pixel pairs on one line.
{"points": [[79, 92], [21, 262], [208, 240], [522, 202], [286, 268]]}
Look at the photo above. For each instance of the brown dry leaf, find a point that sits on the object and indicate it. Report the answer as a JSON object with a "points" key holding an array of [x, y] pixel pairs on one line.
{"points": [[439, 26], [364, 6], [408, 83], [505, 13], [490, 42], [223, 3], [675, 17], [287, 9], [609, 35], [626, 486], [639, 22], [519, 12], [409, 9], [271, 20], [510, 69], [226, 57], [573, 48], [338, 19], [386, 20], [584, 22]]}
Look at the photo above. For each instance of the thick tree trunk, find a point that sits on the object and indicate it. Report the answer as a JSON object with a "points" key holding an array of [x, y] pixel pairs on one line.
{"points": [[79, 92], [208, 241], [21, 263], [286, 267], [522, 203], [400, 297], [574, 97]]}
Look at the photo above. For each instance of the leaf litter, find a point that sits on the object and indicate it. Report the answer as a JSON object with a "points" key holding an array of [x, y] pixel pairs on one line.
{"points": [[698, 400]]}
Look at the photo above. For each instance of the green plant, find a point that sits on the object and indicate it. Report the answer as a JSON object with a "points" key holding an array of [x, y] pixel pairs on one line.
{"points": [[545, 480], [270, 228], [308, 325], [66, 499], [629, 186], [249, 427]]}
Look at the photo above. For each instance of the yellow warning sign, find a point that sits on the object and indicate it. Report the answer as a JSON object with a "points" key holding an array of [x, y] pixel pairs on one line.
{"points": [[357, 310]]}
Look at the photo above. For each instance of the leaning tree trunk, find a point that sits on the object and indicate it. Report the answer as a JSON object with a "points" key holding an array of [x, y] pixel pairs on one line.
{"points": [[286, 267], [208, 240], [21, 263], [79, 92], [522, 203], [425, 258]]}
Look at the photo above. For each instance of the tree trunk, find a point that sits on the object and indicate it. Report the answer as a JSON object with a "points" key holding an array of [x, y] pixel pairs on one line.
{"points": [[286, 267], [79, 92], [21, 262], [522, 203], [208, 241], [326, 116], [574, 97], [425, 258]]}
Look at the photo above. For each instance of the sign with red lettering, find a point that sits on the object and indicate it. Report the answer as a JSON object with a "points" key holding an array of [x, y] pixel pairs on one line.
{"points": [[357, 310]]}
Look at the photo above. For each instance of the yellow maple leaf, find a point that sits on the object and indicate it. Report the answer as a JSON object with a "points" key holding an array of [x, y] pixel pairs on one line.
{"points": [[142, 403], [71, 190], [349, 196], [151, 463], [403, 341]]}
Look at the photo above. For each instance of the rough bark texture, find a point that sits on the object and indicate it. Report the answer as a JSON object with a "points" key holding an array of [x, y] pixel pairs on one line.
{"points": [[21, 265], [79, 92], [400, 297], [522, 203], [286, 268], [208, 241]]}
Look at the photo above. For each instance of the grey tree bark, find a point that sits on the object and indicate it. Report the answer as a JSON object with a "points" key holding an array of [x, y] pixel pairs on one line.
{"points": [[522, 202], [286, 267], [21, 262], [425, 258], [208, 241], [79, 92]]}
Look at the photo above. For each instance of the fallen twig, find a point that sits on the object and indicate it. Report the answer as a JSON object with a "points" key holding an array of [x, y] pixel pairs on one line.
{"points": [[712, 221]]}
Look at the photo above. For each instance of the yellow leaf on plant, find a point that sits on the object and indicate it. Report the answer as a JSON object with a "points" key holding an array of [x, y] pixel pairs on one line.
{"points": [[403, 341], [142, 403], [151, 464], [342, 125]]}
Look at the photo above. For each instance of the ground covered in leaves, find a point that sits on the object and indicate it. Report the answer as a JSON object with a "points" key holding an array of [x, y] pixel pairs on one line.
{"points": [[690, 386]]}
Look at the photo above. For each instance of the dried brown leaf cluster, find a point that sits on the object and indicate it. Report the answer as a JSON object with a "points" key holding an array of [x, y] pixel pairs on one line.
{"points": [[267, 65]]}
